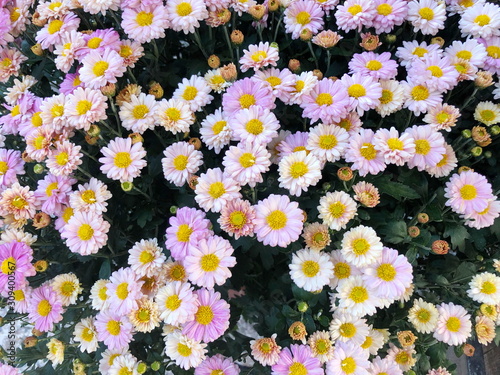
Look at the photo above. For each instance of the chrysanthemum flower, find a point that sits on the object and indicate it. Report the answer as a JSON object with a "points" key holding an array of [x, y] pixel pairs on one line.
{"points": [[123, 364], [366, 194], [186, 352], [442, 117], [298, 171], [429, 147], [374, 341], [297, 359], [216, 81], [327, 142], [56, 351], [293, 142], [328, 101], [487, 113], [211, 319], [99, 70], [348, 359], [454, 326], [321, 346], [254, 125], [8, 370], [485, 288], [54, 30], [174, 115], [246, 163], [214, 189], [468, 192], [435, 72], [113, 329], [396, 149], [138, 114], [131, 52], [53, 112], [145, 23], [45, 308], [481, 21], [386, 365], [52, 193], [245, 93], [146, 257], [185, 14], [86, 335], [265, 350], [108, 358], [377, 66], [484, 218], [412, 50], [278, 221], [355, 14], [181, 161], [423, 315], [99, 296], [176, 302], [258, 56], [304, 82], [485, 330], [90, 197], [67, 287], [403, 357], [361, 246], [237, 218], [364, 92], [357, 296], [145, 317], [217, 364], [86, 233], [301, 15], [342, 270], [11, 165], [84, 107], [95, 7], [420, 98], [215, 131], [123, 290], [64, 159], [445, 165], [426, 16], [391, 99], [336, 209], [123, 160], [311, 270], [470, 50], [15, 262], [316, 236], [194, 91], [70, 83], [19, 202], [389, 13], [362, 152], [347, 328]]}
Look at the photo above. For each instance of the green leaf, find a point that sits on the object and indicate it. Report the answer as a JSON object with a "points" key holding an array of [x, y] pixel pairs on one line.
{"points": [[105, 270], [397, 190], [458, 234], [464, 270], [411, 254], [394, 231]]}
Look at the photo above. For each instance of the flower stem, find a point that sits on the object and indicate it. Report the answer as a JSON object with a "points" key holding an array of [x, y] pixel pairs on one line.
{"points": [[313, 54]]}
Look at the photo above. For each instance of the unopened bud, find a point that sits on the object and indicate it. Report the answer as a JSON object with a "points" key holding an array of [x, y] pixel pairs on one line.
{"points": [[155, 366], [488, 154], [37, 21], [438, 40], [127, 186], [413, 231], [440, 247], [136, 138], [306, 35], [173, 209], [275, 45], [195, 142], [109, 90], [370, 42], [304, 216], [318, 74], [229, 72], [302, 306], [91, 140], [466, 133], [273, 5], [464, 169], [94, 130], [36, 332], [495, 130], [142, 368], [479, 258], [422, 218], [483, 79], [30, 341], [213, 61], [345, 174], [37, 49], [390, 38], [41, 266], [326, 186], [38, 168], [468, 350], [193, 181], [237, 37], [294, 65], [476, 151], [41, 220], [156, 90], [257, 11]]}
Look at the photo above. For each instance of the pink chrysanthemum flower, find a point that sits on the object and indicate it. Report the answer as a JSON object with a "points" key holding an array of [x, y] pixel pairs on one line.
{"points": [[215, 131], [301, 15], [11, 165], [146, 257], [442, 117], [426, 16], [454, 325], [84, 107], [351, 123], [64, 159], [66, 51], [362, 152], [298, 171], [218, 364], [412, 50], [174, 115], [363, 91], [492, 62], [327, 142], [445, 165], [420, 98], [131, 52], [15, 265], [113, 329], [377, 66], [468, 192], [99, 40], [355, 14], [138, 114], [45, 308], [54, 30], [145, 23], [386, 365], [258, 56], [429, 147], [85, 233], [186, 352], [53, 112], [8, 370], [123, 160], [187, 227], [246, 93], [255, 125], [214, 189], [395, 148], [278, 221], [211, 319], [176, 302], [90, 197], [181, 161], [70, 83], [52, 192], [294, 142], [434, 72], [195, 91], [480, 21], [438, 371], [470, 50], [237, 218], [389, 13], [185, 14], [282, 82], [304, 83], [328, 101], [123, 290], [485, 218], [297, 359], [19, 202], [95, 7], [10, 63], [99, 70], [336, 209], [246, 162], [208, 263]]}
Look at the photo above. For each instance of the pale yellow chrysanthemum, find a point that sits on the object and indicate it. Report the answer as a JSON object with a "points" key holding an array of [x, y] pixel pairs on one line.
{"points": [[423, 316], [487, 113], [67, 287], [56, 352], [146, 317]]}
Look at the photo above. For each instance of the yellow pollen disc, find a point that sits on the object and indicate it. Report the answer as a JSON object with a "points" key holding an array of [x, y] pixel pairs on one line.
{"points": [[122, 159], [386, 97], [216, 190], [442, 117], [300, 148], [125, 51], [100, 68], [67, 213], [173, 114], [466, 55], [173, 302], [209, 262], [112, 358], [204, 315], [77, 81], [373, 65], [113, 327], [180, 162], [19, 203], [143, 315], [8, 265], [468, 192], [144, 18], [356, 90], [36, 120], [67, 288], [360, 246], [466, 3], [298, 169], [54, 26], [190, 93], [453, 324], [327, 141], [419, 93], [6, 62], [423, 315], [336, 209], [67, 46], [254, 126], [217, 80], [355, 9], [55, 5], [299, 86], [422, 146], [122, 291], [247, 100], [318, 237], [402, 358], [386, 272], [324, 99], [140, 111], [15, 111], [358, 294], [85, 232], [310, 268], [348, 365], [259, 56], [44, 307], [146, 257], [493, 51], [395, 144], [57, 110], [247, 160], [384, 9], [184, 350], [88, 196], [461, 68], [15, 14], [103, 293], [184, 9], [303, 18], [217, 372], [87, 334], [218, 127], [276, 220], [435, 70], [273, 81], [419, 51], [368, 342], [237, 219], [19, 295], [322, 346], [94, 43], [443, 161], [342, 270], [4, 167], [265, 348], [177, 273], [426, 13], [488, 288], [347, 330], [482, 20], [487, 115], [83, 107], [184, 233], [368, 151], [297, 368]]}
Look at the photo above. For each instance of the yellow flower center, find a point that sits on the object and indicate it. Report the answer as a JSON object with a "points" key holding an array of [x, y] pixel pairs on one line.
{"points": [[360, 246], [419, 93], [322, 346], [247, 160], [94, 42], [342, 270], [19, 295], [327, 141], [14, 14], [299, 86], [19, 203], [247, 100], [85, 232], [204, 315], [358, 294], [44, 307], [466, 3], [67, 288], [466, 55], [184, 350], [276, 220], [453, 324], [173, 302], [402, 358], [258, 56], [265, 347], [100, 68], [419, 51], [324, 99], [173, 114], [493, 51], [347, 330], [146, 257], [177, 273], [184, 9], [15, 111], [468, 192], [83, 107], [180, 162], [336, 209], [140, 111], [368, 151], [348, 365], [303, 18], [88, 196], [125, 51], [217, 190], [298, 169], [423, 315], [54, 26], [103, 293], [426, 13], [57, 110], [122, 159], [87, 334], [355, 9], [356, 90], [4, 167], [144, 18], [184, 233], [386, 272], [143, 315], [297, 368], [384, 9], [209, 262], [36, 120], [488, 288], [67, 213], [482, 20], [318, 238], [218, 127], [6, 62], [386, 97], [216, 372], [122, 291], [373, 65], [77, 81], [435, 70], [8, 266], [254, 126], [442, 117], [217, 80], [422, 146], [273, 81], [113, 327], [237, 219], [310, 268], [487, 115], [443, 161], [368, 342], [190, 93], [300, 148]]}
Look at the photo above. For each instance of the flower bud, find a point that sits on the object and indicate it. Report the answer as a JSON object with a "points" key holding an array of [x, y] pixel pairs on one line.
{"points": [[173, 209], [127, 186], [156, 90], [438, 40], [304, 216], [326, 39], [306, 35], [468, 350], [257, 11], [297, 331], [273, 5], [37, 49], [411, 372], [318, 74], [237, 37], [109, 90], [302, 306], [78, 367], [155, 366], [326, 186], [413, 231], [495, 130], [136, 138], [37, 21], [91, 140], [390, 38], [213, 61], [406, 338], [440, 247], [476, 151], [142, 368], [345, 174], [36, 332], [488, 154], [38, 168], [422, 218], [464, 169], [193, 181], [94, 130], [26, 158], [370, 42], [294, 65], [195, 142], [41, 266], [483, 79], [466, 133], [41, 220], [479, 258], [229, 72], [30, 341]]}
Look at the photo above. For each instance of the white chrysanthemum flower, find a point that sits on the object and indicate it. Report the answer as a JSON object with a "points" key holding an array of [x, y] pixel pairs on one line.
{"points": [[99, 296], [428, 16], [180, 162], [124, 364], [327, 142], [138, 114], [374, 341], [392, 99], [85, 333], [90, 197], [487, 113], [346, 327], [298, 171], [215, 131], [13, 234], [176, 302], [423, 315], [195, 91], [215, 80], [146, 257], [56, 351], [186, 353], [174, 115], [485, 288], [357, 297], [337, 209], [481, 21], [185, 14], [67, 286], [342, 270], [311, 270], [361, 246], [454, 324], [321, 345], [304, 83]]}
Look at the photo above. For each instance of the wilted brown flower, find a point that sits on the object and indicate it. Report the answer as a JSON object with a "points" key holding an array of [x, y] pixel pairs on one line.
{"points": [[193, 181], [406, 338], [136, 138], [195, 142], [125, 94], [30, 341], [297, 331], [483, 79], [109, 89], [468, 350], [37, 49], [318, 74]]}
